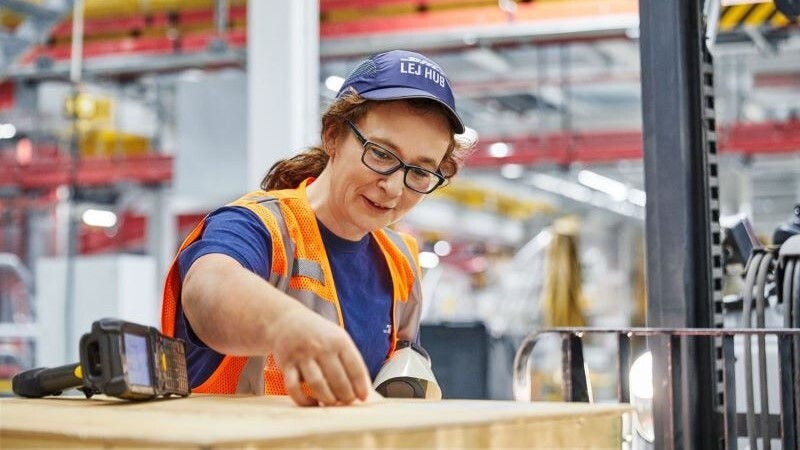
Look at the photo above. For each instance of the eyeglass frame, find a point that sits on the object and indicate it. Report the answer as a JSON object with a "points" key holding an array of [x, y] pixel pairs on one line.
{"points": [[402, 164]]}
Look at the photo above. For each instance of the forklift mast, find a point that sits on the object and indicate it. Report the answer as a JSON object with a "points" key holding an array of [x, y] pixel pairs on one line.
{"points": [[684, 253]]}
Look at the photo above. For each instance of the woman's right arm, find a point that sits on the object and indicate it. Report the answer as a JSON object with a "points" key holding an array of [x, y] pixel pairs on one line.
{"points": [[236, 312]]}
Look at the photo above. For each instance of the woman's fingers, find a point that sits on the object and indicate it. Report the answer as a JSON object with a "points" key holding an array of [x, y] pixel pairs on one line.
{"points": [[337, 378], [357, 372], [318, 382], [292, 380], [315, 353]]}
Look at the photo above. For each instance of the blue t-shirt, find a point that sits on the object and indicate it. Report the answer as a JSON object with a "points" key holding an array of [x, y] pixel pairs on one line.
{"points": [[362, 280]]}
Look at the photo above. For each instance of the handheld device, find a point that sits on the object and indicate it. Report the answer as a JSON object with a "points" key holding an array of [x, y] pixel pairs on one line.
{"points": [[408, 374], [117, 358]]}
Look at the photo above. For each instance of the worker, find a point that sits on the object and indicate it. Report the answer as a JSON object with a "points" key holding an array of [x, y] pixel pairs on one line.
{"points": [[300, 288]]}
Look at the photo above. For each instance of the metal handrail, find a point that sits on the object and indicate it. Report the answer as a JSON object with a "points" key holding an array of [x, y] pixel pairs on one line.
{"points": [[575, 386]]}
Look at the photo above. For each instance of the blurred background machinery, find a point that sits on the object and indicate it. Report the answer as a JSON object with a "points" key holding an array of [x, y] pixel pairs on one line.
{"points": [[17, 344]]}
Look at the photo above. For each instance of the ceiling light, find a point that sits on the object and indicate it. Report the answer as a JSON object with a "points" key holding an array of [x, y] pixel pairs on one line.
{"points": [[334, 82], [499, 150], [428, 260], [509, 6], [754, 112], [560, 186], [99, 218], [442, 248], [583, 194], [618, 191], [7, 131], [192, 76], [512, 171]]}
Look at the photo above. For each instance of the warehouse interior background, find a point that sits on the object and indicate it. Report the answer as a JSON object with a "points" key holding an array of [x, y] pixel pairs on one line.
{"points": [[104, 168]]}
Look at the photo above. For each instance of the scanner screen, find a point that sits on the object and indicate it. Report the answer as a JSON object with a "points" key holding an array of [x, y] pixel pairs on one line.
{"points": [[137, 360]]}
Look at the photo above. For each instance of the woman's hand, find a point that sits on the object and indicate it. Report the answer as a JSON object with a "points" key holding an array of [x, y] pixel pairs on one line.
{"points": [[236, 312], [315, 351]]}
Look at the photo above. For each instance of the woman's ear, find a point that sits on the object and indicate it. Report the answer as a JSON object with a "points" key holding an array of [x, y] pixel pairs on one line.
{"points": [[330, 139]]}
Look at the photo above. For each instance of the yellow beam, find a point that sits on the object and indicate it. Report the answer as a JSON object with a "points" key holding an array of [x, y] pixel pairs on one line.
{"points": [[759, 15], [731, 16]]}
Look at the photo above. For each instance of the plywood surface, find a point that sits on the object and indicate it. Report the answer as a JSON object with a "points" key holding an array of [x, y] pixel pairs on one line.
{"points": [[203, 421]]}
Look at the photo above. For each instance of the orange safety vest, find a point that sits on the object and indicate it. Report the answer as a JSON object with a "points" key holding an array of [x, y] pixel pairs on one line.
{"points": [[300, 268]]}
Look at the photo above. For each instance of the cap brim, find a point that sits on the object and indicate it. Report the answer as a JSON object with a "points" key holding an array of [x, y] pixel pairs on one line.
{"points": [[399, 93]]}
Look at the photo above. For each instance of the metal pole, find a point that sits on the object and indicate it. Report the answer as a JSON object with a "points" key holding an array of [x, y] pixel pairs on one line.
{"points": [[73, 235], [680, 237], [76, 55], [220, 41], [221, 18]]}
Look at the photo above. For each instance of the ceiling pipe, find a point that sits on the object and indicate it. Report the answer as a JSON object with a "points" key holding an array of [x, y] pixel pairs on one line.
{"points": [[94, 9]]}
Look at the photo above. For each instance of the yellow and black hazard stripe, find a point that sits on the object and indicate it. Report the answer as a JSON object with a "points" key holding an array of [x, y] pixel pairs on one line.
{"points": [[736, 17]]}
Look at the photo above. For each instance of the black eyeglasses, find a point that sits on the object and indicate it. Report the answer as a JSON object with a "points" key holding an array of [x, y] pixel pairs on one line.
{"points": [[385, 162]]}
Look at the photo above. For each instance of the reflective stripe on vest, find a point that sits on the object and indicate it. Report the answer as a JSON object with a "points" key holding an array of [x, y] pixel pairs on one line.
{"points": [[280, 281]]}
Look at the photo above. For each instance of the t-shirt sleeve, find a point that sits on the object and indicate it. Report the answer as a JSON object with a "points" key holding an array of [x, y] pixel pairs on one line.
{"points": [[233, 231], [236, 232]]}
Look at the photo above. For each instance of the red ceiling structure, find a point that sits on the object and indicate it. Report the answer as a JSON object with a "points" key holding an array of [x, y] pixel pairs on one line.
{"points": [[50, 168], [608, 146]]}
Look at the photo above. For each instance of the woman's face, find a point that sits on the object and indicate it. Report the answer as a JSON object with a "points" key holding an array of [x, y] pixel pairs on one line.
{"points": [[362, 200]]}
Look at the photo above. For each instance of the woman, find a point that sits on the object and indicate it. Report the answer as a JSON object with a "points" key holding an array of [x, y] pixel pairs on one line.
{"points": [[300, 288]]}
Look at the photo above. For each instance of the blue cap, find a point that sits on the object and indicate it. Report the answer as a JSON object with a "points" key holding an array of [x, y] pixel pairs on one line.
{"points": [[400, 74]]}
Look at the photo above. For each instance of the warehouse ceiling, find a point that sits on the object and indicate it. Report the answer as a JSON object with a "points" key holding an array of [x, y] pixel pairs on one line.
{"points": [[523, 89], [528, 88], [517, 87]]}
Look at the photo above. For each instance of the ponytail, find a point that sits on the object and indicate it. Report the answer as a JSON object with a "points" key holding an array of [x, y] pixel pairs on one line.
{"points": [[289, 173]]}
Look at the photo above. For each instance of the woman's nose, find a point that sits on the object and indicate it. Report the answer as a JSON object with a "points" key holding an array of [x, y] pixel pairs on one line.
{"points": [[393, 183]]}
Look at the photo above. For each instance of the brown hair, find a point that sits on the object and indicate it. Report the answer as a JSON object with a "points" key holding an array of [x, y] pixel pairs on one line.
{"points": [[289, 173]]}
